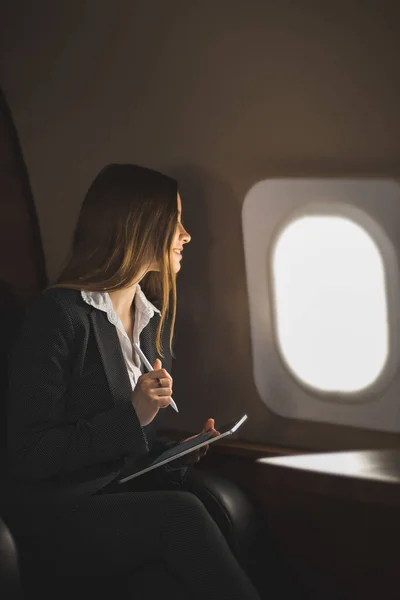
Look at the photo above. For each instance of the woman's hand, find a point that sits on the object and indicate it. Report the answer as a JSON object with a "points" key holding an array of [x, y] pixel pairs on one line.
{"points": [[152, 392], [196, 455]]}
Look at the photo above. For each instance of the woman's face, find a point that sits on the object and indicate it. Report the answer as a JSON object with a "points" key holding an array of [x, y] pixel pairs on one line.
{"points": [[181, 237]]}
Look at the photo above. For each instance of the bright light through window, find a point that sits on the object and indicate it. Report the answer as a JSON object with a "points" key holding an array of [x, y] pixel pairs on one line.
{"points": [[330, 303]]}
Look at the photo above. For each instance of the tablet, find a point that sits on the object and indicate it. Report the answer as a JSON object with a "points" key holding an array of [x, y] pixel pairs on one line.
{"points": [[181, 449]]}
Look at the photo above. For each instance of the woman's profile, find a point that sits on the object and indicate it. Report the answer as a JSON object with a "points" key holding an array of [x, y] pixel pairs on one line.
{"points": [[81, 408]]}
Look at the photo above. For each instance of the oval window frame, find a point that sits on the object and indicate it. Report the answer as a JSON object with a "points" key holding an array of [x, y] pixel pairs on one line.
{"points": [[392, 287]]}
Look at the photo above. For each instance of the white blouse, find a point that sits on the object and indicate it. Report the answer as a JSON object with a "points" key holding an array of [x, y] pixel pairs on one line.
{"points": [[144, 311]]}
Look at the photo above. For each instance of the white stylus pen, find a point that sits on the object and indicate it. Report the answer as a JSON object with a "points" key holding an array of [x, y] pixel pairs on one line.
{"points": [[150, 368]]}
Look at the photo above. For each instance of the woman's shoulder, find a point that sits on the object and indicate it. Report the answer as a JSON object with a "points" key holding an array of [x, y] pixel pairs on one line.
{"points": [[53, 313], [61, 294], [57, 300]]}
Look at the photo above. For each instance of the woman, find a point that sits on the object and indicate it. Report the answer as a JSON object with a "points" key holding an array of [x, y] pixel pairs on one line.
{"points": [[80, 409]]}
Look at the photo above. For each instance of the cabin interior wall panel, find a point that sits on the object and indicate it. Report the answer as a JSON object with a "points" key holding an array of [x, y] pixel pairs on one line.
{"points": [[220, 95]]}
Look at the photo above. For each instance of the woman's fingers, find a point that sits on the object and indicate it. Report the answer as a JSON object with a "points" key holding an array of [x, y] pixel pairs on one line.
{"points": [[209, 427], [165, 402], [159, 374], [150, 383], [163, 382], [203, 450], [160, 392], [198, 454]]}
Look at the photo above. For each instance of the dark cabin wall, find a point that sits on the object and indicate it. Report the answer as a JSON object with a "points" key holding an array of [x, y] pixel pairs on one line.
{"points": [[220, 94]]}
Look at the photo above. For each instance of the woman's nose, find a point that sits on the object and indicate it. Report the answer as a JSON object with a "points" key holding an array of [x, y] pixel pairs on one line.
{"points": [[185, 236]]}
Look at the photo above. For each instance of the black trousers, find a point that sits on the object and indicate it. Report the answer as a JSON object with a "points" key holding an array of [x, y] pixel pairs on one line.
{"points": [[236, 519], [125, 536]]}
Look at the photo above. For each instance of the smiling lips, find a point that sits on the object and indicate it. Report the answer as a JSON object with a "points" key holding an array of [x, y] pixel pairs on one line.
{"points": [[178, 251]]}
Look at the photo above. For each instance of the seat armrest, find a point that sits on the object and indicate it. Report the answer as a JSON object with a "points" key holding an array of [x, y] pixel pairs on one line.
{"points": [[230, 508], [10, 583]]}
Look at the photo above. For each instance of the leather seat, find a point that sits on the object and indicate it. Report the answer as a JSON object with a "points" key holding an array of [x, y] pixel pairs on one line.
{"points": [[231, 509], [10, 583], [10, 312]]}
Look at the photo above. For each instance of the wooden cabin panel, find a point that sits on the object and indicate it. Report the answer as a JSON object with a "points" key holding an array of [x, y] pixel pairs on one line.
{"points": [[21, 256], [340, 542]]}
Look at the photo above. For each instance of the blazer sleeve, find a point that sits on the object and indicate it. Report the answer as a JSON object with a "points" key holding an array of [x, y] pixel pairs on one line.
{"points": [[41, 442]]}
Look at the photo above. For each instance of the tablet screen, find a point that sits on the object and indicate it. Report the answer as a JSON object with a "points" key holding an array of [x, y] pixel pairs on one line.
{"points": [[196, 441], [183, 447]]}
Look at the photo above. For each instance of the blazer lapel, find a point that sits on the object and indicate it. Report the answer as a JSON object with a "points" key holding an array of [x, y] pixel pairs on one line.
{"points": [[148, 340], [112, 358], [114, 363]]}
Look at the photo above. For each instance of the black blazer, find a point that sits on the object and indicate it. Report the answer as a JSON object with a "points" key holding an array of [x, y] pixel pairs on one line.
{"points": [[71, 424]]}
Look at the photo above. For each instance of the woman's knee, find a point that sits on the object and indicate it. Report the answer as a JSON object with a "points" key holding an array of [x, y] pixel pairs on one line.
{"points": [[188, 501], [186, 504]]}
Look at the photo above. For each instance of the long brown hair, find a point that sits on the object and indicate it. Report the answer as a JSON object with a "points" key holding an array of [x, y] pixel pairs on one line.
{"points": [[127, 221]]}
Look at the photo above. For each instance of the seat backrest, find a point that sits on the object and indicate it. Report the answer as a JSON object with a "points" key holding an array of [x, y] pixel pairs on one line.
{"points": [[22, 264], [10, 583], [10, 315]]}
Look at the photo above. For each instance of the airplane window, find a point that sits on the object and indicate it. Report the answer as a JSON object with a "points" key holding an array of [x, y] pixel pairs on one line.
{"points": [[322, 270], [330, 305]]}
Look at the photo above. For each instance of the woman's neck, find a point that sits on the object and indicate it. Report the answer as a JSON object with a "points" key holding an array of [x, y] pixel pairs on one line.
{"points": [[122, 301]]}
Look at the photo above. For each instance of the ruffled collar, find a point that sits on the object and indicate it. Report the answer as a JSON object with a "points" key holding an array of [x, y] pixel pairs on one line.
{"points": [[102, 301]]}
